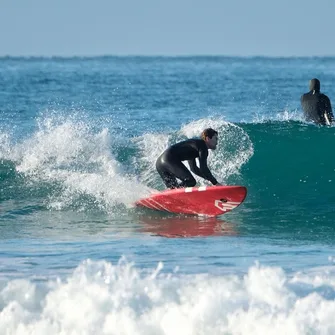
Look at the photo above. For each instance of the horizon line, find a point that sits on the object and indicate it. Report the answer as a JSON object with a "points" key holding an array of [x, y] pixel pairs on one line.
{"points": [[8, 56]]}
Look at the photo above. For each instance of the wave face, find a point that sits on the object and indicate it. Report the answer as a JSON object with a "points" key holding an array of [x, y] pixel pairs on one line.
{"points": [[286, 165]]}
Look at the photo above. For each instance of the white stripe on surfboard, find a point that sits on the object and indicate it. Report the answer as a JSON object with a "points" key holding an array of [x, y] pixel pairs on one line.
{"points": [[151, 204], [200, 188], [147, 203], [156, 204]]}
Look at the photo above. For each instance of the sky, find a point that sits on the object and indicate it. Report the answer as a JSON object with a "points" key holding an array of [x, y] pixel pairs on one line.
{"points": [[167, 27]]}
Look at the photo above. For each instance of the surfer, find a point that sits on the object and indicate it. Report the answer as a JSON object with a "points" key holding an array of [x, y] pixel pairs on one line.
{"points": [[170, 167], [316, 105]]}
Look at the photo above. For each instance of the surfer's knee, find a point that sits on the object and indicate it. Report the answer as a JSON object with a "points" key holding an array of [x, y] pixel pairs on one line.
{"points": [[190, 182]]}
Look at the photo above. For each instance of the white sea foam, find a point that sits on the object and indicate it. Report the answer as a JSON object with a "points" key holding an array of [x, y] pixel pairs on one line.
{"points": [[150, 146], [5, 145], [285, 115], [77, 159], [102, 298]]}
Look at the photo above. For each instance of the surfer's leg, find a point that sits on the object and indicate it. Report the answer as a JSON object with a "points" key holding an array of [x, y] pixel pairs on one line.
{"points": [[169, 169], [162, 167], [179, 170], [169, 180]]}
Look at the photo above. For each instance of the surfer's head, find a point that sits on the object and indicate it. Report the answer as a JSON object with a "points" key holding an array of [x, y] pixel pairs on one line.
{"points": [[314, 85], [210, 136]]}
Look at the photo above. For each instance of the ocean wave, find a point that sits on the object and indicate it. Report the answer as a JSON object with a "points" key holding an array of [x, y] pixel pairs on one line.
{"points": [[105, 298]]}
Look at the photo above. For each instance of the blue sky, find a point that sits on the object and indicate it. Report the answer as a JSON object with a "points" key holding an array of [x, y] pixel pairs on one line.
{"points": [[170, 27]]}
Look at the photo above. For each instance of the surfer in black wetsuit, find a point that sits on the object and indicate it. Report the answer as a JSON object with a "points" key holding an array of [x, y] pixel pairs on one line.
{"points": [[170, 167], [316, 106]]}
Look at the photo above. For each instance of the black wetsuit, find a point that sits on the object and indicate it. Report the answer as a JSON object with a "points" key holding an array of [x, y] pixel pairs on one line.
{"points": [[170, 167], [316, 104]]}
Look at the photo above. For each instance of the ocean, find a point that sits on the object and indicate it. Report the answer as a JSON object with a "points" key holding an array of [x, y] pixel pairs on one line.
{"points": [[79, 138]]}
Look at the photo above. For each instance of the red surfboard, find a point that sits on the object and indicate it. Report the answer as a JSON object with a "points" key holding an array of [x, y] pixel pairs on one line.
{"points": [[203, 200]]}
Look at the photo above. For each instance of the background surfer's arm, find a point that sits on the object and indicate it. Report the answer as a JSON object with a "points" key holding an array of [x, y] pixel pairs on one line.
{"points": [[329, 110]]}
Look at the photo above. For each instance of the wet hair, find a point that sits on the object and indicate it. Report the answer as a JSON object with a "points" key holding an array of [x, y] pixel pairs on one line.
{"points": [[208, 132]]}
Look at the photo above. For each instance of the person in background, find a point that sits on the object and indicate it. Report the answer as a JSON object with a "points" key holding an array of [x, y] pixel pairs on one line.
{"points": [[316, 105], [170, 167]]}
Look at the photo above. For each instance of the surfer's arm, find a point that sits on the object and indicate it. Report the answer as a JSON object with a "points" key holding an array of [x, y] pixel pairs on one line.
{"points": [[194, 168], [204, 170], [329, 111]]}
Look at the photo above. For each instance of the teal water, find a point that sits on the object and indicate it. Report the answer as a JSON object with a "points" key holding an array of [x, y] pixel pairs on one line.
{"points": [[78, 142]]}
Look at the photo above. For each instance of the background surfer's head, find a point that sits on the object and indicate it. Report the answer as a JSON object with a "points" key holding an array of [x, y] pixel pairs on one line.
{"points": [[210, 136], [314, 84]]}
